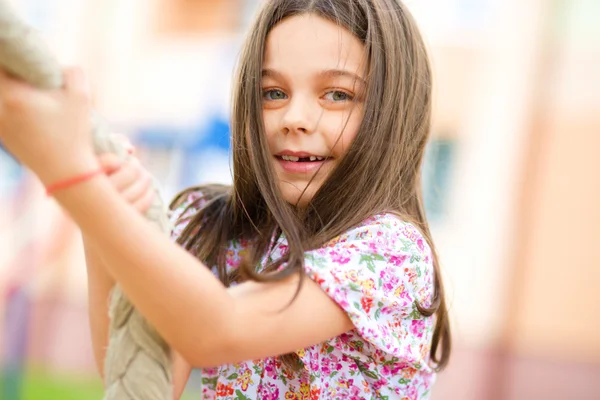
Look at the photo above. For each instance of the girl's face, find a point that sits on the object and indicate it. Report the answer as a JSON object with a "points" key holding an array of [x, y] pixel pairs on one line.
{"points": [[313, 89]]}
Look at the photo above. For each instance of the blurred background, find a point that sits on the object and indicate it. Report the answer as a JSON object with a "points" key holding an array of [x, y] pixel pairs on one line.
{"points": [[511, 182]]}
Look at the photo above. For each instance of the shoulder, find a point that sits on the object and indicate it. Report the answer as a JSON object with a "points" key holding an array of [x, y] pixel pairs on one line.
{"points": [[378, 272], [384, 234], [382, 241], [383, 254]]}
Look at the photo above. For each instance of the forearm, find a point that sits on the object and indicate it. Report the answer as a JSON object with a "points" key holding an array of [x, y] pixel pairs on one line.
{"points": [[174, 291], [100, 284]]}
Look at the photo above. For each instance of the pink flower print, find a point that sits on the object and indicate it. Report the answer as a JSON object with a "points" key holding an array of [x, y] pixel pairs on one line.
{"points": [[391, 369], [398, 260], [389, 309], [339, 258], [271, 368], [413, 393], [341, 299], [420, 244], [330, 364], [350, 364], [389, 279], [314, 361], [417, 327], [348, 383], [380, 383], [268, 391], [373, 247], [355, 393]]}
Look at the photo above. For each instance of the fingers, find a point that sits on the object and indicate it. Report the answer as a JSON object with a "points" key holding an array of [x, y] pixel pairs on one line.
{"points": [[141, 193], [126, 175], [137, 189], [132, 181], [109, 162], [145, 202]]}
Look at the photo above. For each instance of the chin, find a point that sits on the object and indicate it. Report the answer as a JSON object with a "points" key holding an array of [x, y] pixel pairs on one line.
{"points": [[292, 196]]}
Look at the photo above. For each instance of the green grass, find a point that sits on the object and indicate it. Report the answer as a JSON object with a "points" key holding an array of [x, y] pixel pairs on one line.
{"points": [[41, 385]]}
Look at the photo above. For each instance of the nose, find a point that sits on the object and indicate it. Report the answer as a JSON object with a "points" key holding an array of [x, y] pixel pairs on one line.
{"points": [[299, 117]]}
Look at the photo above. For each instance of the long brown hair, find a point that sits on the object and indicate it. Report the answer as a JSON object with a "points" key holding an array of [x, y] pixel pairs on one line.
{"points": [[379, 173]]}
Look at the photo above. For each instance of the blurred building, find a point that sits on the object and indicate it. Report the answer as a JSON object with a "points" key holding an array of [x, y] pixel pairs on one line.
{"points": [[509, 180]]}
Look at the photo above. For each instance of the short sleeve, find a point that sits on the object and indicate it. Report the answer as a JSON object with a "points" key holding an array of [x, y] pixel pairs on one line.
{"points": [[376, 273]]}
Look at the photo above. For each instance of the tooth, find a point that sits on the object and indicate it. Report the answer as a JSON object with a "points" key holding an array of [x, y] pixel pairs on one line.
{"points": [[319, 158], [313, 158]]}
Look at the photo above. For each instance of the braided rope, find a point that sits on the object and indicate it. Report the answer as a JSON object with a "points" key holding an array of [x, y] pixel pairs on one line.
{"points": [[138, 362]]}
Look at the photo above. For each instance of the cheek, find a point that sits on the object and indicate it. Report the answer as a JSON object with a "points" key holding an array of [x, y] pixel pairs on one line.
{"points": [[342, 133], [270, 124]]}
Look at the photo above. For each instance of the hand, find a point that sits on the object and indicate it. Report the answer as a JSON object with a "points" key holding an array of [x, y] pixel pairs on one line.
{"points": [[48, 131], [130, 179]]}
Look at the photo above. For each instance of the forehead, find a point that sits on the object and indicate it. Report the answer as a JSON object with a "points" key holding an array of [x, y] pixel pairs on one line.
{"points": [[308, 41]]}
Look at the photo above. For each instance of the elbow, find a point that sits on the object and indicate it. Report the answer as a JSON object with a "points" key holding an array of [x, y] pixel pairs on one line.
{"points": [[210, 346]]}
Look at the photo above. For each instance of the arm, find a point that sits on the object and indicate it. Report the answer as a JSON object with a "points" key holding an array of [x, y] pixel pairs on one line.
{"points": [[206, 323], [99, 285], [131, 181], [181, 374]]}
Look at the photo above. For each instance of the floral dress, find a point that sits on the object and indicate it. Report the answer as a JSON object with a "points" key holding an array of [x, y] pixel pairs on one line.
{"points": [[375, 272]]}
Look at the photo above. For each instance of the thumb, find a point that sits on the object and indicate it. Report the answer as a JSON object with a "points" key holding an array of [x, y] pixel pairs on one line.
{"points": [[109, 162]]}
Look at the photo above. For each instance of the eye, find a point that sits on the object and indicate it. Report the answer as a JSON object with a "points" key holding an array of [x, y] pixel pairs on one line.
{"points": [[274, 94], [337, 96]]}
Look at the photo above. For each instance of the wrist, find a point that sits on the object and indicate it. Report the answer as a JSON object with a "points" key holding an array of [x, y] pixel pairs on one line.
{"points": [[60, 172], [74, 180]]}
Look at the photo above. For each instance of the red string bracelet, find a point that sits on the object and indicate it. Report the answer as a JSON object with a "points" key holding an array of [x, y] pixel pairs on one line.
{"points": [[73, 181]]}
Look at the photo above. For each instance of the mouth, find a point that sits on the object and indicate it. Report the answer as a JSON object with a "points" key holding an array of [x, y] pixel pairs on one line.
{"points": [[302, 159], [301, 163]]}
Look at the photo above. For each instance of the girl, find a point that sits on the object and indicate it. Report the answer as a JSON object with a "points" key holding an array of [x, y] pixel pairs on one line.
{"points": [[322, 279]]}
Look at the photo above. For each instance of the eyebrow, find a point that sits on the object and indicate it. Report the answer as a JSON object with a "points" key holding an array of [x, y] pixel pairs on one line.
{"points": [[328, 73]]}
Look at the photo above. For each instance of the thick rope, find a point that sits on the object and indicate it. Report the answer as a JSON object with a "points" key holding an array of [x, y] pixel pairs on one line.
{"points": [[138, 362]]}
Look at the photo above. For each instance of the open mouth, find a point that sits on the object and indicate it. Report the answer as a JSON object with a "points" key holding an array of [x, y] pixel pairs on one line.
{"points": [[301, 163], [302, 159]]}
